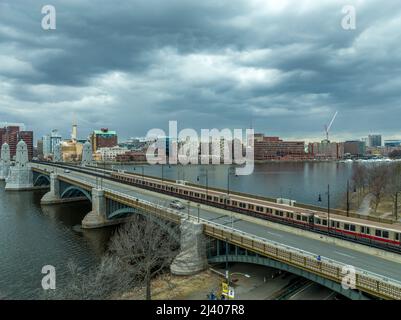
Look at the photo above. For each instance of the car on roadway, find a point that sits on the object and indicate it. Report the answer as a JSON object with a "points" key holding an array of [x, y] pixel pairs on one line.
{"points": [[67, 171], [177, 204]]}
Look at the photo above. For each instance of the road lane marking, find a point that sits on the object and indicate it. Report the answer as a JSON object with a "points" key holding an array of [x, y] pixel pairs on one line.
{"points": [[275, 234], [345, 255]]}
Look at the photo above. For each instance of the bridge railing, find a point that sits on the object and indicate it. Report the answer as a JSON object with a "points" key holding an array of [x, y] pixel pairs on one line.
{"points": [[364, 280]]}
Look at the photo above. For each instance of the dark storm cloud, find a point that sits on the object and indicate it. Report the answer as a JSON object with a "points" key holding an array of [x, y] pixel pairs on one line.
{"points": [[285, 66]]}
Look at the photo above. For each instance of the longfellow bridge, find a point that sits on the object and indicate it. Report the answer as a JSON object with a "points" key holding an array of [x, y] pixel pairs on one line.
{"points": [[236, 237]]}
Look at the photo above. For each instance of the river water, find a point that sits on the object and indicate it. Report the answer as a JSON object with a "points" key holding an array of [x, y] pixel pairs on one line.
{"points": [[32, 236]]}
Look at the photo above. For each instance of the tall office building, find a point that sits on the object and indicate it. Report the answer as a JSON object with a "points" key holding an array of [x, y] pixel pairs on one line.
{"points": [[55, 139], [374, 140], [46, 145]]}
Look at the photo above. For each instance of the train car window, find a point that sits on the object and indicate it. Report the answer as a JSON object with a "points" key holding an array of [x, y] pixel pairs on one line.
{"points": [[216, 199], [367, 230], [318, 221], [251, 207], [362, 229], [378, 233], [352, 227], [346, 226], [304, 218], [324, 222], [235, 203], [203, 196], [385, 234], [209, 198], [397, 236], [298, 217]]}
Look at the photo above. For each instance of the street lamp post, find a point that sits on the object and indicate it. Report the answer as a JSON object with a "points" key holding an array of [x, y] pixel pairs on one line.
{"points": [[348, 204], [328, 207], [229, 172], [189, 203], [198, 205], [142, 169], [396, 206], [347, 198], [206, 175]]}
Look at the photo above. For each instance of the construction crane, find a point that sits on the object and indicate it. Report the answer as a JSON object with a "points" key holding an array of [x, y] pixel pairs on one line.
{"points": [[327, 127]]}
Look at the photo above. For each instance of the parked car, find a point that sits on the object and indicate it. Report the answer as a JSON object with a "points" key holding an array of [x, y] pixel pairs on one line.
{"points": [[176, 204]]}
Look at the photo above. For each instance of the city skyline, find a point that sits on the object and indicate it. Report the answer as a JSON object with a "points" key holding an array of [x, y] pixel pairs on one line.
{"points": [[204, 65]]}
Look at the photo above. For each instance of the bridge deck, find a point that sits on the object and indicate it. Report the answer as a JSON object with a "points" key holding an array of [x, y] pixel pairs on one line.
{"points": [[329, 252]]}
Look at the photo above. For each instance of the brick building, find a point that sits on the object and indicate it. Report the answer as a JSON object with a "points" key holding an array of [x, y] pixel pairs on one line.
{"points": [[103, 138], [273, 148]]}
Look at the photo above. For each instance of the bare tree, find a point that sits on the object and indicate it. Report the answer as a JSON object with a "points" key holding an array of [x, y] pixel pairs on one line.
{"points": [[359, 179], [106, 280], [378, 179], [393, 186], [146, 247], [141, 249]]}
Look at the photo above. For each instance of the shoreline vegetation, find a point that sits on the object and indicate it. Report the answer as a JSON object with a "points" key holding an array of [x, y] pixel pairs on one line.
{"points": [[377, 191]]}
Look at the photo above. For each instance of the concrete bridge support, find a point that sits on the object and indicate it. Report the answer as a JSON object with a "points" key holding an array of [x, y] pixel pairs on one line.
{"points": [[97, 217], [5, 162], [53, 196], [192, 257], [21, 177]]}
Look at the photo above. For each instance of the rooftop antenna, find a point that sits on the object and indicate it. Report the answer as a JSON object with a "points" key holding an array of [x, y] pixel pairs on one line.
{"points": [[327, 127]]}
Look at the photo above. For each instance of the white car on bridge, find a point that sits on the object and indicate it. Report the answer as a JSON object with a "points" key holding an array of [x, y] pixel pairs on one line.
{"points": [[177, 204]]}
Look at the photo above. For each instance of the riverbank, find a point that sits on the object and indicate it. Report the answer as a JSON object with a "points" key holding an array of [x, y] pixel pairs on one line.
{"points": [[170, 287]]}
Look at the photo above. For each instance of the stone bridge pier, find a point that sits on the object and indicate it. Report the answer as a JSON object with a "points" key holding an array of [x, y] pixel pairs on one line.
{"points": [[96, 218], [192, 257], [53, 196]]}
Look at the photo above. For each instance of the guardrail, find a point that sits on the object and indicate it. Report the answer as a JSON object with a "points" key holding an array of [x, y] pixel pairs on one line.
{"points": [[366, 281]]}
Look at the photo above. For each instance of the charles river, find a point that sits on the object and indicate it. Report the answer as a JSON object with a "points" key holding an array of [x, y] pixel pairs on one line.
{"points": [[32, 236]]}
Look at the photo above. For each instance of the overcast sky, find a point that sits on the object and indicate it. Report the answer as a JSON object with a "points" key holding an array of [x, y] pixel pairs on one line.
{"points": [[284, 66]]}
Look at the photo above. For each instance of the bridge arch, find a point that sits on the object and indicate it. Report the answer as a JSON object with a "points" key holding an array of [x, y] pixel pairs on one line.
{"points": [[263, 261], [129, 210], [74, 191], [41, 178]]}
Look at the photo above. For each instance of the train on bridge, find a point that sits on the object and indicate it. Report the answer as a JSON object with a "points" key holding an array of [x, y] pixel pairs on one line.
{"points": [[368, 232]]}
